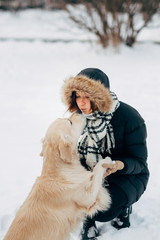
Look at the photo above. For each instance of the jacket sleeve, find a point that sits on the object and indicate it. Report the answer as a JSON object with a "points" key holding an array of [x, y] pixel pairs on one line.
{"points": [[135, 147]]}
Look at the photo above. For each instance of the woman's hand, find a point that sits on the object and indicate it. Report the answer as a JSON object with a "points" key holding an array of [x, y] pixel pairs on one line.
{"points": [[113, 167]]}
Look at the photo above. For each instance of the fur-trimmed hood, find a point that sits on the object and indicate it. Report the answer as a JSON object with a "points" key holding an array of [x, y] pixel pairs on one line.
{"points": [[96, 91]]}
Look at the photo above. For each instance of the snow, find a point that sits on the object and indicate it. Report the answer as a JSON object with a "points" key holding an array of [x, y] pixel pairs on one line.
{"points": [[31, 76]]}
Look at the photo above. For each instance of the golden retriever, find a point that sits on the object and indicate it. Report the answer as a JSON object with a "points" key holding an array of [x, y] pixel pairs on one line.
{"points": [[65, 192]]}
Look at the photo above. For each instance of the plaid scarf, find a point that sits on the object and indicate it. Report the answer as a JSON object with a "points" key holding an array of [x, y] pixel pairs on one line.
{"points": [[97, 137]]}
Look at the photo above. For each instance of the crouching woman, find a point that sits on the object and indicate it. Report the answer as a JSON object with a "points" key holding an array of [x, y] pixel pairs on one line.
{"points": [[114, 129]]}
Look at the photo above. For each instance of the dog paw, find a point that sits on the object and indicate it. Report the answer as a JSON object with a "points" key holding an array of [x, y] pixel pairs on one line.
{"points": [[107, 160], [107, 163], [104, 163]]}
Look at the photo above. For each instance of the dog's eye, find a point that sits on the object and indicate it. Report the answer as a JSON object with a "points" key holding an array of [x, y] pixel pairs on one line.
{"points": [[70, 121]]}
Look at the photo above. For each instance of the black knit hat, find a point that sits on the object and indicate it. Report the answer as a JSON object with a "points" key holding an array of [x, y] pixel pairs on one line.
{"points": [[96, 74]]}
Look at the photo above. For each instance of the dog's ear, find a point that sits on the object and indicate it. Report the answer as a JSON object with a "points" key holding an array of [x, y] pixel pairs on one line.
{"points": [[65, 148]]}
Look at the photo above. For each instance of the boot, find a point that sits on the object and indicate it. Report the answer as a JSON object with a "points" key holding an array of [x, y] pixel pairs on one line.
{"points": [[89, 231], [123, 220]]}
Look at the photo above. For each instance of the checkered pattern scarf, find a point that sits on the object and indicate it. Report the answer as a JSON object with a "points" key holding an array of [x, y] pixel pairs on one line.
{"points": [[97, 136]]}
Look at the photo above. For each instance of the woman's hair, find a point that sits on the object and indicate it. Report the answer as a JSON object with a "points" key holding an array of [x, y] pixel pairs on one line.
{"points": [[74, 107]]}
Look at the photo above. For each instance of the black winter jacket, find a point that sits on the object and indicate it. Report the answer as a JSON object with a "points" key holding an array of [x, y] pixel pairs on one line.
{"points": [[130, 147]]}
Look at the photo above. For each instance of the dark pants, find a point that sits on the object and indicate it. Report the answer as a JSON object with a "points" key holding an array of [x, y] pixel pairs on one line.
{"points": [[119, 201]]}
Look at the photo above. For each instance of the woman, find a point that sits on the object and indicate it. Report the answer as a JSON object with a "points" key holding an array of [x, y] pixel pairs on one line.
{"points": [[113, 129]]}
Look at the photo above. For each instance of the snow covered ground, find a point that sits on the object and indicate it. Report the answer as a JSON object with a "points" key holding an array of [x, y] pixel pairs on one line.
{"points": [[31, 76]]}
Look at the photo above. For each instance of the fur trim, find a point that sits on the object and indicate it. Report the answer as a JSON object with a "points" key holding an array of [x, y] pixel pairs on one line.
{"points": [[96, 91]]}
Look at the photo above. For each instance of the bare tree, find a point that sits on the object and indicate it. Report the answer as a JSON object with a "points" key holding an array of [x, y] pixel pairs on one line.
{"points": [[143, 9], [112, 20]]}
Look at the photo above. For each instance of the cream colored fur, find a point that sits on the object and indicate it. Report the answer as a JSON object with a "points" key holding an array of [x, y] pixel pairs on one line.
{"points": [[64, 193]]}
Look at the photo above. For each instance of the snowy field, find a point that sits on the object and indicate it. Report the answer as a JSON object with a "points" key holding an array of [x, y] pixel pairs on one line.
{"points": [[31, 76]]}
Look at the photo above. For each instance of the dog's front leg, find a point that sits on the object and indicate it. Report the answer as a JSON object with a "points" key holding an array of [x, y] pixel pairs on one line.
{"points": [[96, 179], [87, 195], [98, 176]]}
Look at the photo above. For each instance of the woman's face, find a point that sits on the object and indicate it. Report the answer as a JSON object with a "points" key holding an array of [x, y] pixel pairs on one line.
{"points": [[83, 103]]}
